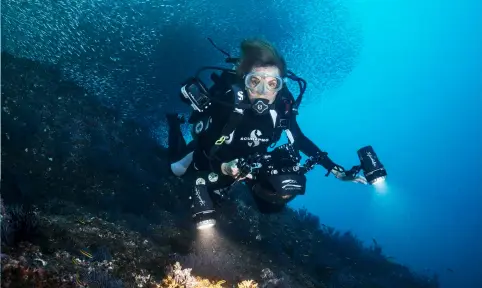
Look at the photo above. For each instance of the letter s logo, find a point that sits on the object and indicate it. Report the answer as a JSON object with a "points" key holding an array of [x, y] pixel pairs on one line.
{"points": [[240, 95], [254, 138]]}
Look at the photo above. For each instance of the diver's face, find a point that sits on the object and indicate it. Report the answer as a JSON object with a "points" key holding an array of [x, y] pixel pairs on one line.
{"points": [[263, 82]]}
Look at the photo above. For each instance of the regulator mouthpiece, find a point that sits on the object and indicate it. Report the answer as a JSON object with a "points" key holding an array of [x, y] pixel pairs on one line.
{"points": [[202, 206], [373, 169]]}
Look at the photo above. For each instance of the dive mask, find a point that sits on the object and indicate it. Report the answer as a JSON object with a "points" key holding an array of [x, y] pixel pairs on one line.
{"points": [[263, 83]]}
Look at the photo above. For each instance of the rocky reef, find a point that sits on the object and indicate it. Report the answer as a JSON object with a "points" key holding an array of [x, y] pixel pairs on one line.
{"points": [[87, 202]]}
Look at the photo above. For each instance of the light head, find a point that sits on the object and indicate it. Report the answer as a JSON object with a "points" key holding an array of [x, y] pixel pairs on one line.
{"points": [[205, 224], [373, 169]]}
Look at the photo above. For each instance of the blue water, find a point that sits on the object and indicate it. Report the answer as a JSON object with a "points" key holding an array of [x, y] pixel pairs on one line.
{"points": [[416, 96], [404, 76]]}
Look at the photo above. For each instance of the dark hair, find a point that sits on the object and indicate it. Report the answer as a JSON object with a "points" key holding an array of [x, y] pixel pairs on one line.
{"points": [[258, 52]]}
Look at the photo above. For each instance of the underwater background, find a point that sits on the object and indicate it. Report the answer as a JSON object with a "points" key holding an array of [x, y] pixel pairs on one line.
{"points": [[415, 94], [86, 85]]}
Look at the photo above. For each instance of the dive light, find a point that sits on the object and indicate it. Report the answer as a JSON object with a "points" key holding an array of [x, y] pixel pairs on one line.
{"points": [[202, 206], [373, 169]]}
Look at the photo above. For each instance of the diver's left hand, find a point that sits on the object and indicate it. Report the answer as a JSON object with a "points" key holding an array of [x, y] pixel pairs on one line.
{"points": [[343, 175]]}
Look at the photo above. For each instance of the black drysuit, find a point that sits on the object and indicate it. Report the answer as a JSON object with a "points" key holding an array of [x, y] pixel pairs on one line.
{"points": [[253, 134]]}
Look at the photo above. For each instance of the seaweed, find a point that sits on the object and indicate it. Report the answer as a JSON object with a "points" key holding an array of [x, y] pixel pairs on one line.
{"points": [[19, 224]]}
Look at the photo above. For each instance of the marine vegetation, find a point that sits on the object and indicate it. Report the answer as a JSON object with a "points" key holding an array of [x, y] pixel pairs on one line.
{"points": [[18, 224], [104, 212]]}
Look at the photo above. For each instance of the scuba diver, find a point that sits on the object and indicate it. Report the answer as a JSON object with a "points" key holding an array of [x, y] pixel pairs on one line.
{"points": [[244, 113]]}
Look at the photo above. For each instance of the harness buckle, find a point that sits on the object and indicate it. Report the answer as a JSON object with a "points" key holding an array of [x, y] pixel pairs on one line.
{"points": [[283, 123]]}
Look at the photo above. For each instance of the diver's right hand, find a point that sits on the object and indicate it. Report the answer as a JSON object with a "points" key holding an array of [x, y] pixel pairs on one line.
{"points": [[231, 169]]}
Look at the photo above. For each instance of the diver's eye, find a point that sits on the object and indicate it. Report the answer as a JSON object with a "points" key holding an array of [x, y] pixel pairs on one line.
{"points": [[254, 82], [273, 84]]}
